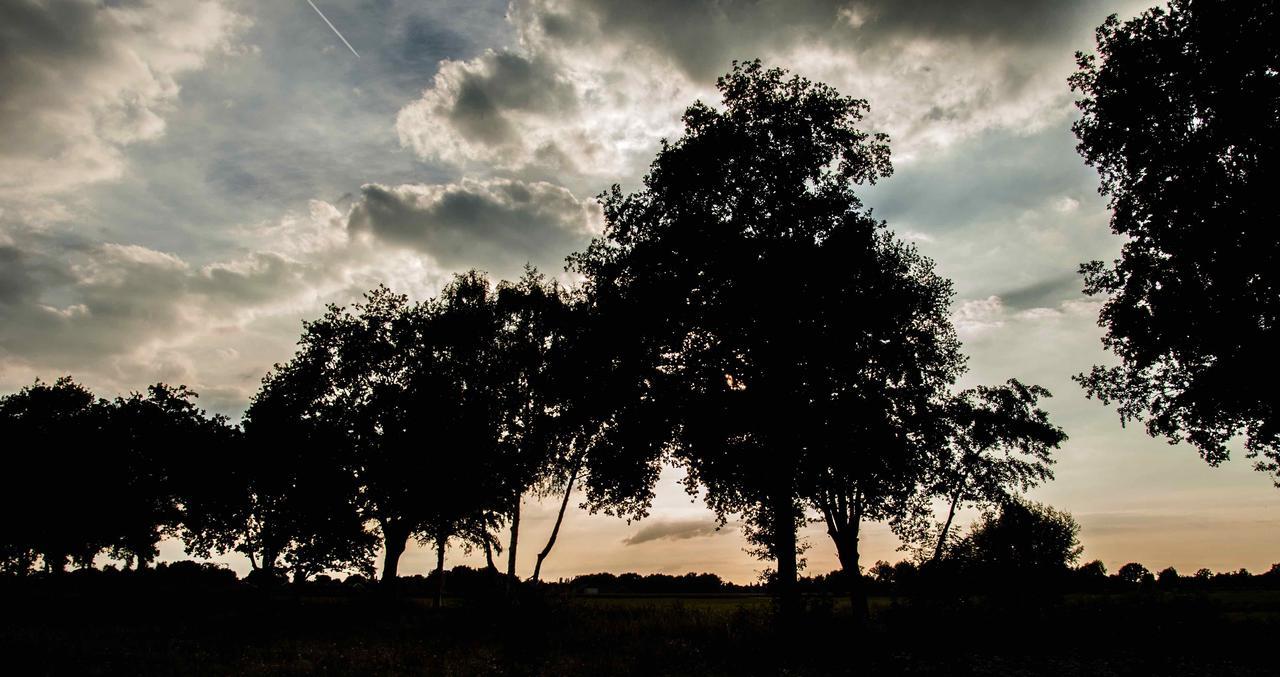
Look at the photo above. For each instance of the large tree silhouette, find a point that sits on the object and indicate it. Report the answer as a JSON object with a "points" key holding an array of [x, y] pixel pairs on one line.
{"points": [[55, 500], [453, 411], [879, 355], [791, 341], [155, 443], [408, 387], [281, 493], [1181, 117]]}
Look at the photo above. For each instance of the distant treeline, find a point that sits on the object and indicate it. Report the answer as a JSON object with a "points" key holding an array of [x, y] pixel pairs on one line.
{"points": [[905, 578]]}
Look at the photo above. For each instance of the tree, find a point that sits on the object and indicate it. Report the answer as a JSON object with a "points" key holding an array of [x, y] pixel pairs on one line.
{"points": [[408, 388], [611, 433], [999, 443], [1132, 573], [152, 441], [787, 339], [296, 497], [56, 481], [532, 315], [1022, 543], [1181, 117]]}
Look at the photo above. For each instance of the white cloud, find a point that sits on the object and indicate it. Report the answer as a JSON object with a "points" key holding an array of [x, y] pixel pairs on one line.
{"points": [[978, 315], [592, 84], [83, 79], [120, 316]]}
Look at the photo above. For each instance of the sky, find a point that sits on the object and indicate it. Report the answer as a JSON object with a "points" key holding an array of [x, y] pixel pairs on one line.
{"points": [[183, 182]]}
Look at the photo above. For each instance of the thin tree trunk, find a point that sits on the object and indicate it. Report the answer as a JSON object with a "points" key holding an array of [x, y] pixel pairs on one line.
{"points": [[395, 539], [488, 557], [942, 537], [515, 542], [555, 530], [440, 546], [269, 557]]}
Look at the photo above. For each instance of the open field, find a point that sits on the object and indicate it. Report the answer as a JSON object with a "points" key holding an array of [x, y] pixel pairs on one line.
{"points": [[246, 631]]}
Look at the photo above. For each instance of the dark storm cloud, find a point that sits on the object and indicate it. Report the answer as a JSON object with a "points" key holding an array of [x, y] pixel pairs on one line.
{"points": [[1045, 293], [24, 277], [37, 41], [509, 83], [498, 225], [75, 305], [703, 36], [673, 530]]}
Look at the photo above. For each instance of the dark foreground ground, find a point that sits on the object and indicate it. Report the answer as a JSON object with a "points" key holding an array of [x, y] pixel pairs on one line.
{"points": [[241, 630]]}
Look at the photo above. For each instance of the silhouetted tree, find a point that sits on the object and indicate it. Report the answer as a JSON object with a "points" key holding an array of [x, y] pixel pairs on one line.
{"points": [[1181, 117], [56, 487], [1133, 572], [303, 510], [532, 315], [1092, 570], [459, 401], [999, 443], [611, 431], [349, 379], [152, 440], [786, 334], [1024, 542]]}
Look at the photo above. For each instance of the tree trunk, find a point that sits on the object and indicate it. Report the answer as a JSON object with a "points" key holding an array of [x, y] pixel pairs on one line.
{"points": [[942, 537], [843, 525], [847, 550], [395, 539], [440, 546], [555, 530], [784, 544], [515, 542], [488, 557], [55, 564], [269, 557]]}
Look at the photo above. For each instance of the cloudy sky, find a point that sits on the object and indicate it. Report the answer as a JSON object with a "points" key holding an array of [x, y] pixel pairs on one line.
{"points": [[182, 182]]}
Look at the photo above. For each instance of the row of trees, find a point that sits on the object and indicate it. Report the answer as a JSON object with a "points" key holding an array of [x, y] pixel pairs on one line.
{"points": [[743, 316]]}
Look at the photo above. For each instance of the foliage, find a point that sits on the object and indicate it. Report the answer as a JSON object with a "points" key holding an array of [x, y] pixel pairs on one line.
{"points": [[999, 443], [1023, 540], [159, 445], [785, 335], [53, 494], [1181, 117]]}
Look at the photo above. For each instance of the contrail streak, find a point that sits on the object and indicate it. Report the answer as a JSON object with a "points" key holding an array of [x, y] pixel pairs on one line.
{"points": [[335, 28]]}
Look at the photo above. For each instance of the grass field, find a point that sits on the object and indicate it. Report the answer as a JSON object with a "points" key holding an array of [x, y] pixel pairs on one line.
{"points": [[245, 631]]}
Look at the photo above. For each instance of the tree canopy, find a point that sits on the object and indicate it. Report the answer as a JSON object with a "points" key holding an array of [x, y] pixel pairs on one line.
{"points": [[787, 334], [1181, 117]]}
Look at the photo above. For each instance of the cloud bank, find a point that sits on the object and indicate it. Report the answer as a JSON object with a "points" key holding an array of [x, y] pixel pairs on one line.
{"points": [[83, 80]]}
